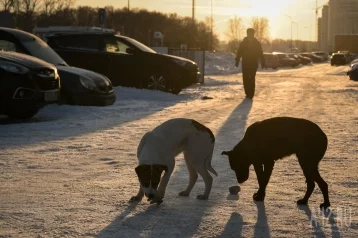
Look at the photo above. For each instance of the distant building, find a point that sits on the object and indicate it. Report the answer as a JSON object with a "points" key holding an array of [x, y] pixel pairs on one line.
{"points": [[324, 29], [342, 19]]}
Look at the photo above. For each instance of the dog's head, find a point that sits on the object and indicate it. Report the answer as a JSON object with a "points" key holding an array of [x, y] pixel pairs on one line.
{"points": [[149, 177], [239, 163]]}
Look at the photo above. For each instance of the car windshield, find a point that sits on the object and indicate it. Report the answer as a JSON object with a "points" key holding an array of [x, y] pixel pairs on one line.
{"points": [[140, 45], [41, 50]]}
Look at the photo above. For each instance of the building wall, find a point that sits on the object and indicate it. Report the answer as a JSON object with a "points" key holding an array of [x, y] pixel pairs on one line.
{"points": [[324, 29], [343, 19]]}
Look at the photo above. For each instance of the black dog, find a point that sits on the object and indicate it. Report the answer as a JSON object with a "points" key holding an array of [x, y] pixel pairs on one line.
{"points": [[272, 139]]}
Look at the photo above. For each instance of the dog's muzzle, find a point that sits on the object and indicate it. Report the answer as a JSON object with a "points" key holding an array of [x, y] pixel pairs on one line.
{"points": [[150, 195]]}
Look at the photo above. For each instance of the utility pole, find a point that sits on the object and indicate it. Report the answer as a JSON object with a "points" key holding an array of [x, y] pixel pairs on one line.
{"points": [[291, 27], [296, 33], [128, 6], [193, 10], [211, 25]]}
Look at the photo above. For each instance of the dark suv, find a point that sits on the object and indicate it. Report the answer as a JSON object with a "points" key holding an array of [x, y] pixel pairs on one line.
{"points": [[125, 61], [338, 59], [26, 84]]}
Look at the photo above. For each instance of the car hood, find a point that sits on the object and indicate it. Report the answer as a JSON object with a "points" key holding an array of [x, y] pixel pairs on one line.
{"points": [[83, 73], [25, 60], [177, 57]]}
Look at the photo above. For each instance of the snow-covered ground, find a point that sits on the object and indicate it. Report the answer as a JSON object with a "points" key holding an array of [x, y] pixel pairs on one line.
{"points": [[69, 172]]}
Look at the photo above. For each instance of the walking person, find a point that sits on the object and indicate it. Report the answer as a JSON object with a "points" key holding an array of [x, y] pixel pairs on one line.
{"points": [[250, 51]]}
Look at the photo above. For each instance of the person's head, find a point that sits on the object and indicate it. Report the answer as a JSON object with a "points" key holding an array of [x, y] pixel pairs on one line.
{"points": [[250, 32]]}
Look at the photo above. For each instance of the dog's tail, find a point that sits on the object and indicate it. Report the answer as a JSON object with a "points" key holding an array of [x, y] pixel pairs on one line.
{"points": [[208, 163]]}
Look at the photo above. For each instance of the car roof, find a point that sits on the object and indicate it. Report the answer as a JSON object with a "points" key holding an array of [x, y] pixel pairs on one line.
{"points": [[21, 35], [53, 35], [24, 59]]}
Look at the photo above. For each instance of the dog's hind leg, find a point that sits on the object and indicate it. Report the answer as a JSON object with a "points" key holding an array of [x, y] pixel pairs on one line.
{"points": [[208, 180], [193, 175], [323, 186], [307, 171], [312, 175]]}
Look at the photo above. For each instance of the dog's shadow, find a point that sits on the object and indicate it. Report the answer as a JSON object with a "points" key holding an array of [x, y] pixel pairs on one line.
{"points": [[261, 228], [141, 219], [317, 229]]}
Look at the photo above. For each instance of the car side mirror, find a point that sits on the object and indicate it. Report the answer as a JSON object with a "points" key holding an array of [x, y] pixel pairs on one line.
{"points": [[131, 51]]}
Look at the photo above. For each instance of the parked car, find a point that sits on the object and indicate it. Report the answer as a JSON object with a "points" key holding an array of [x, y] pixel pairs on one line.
{"points": [[124, 60], [286, 60], [347, 54], [321, 54], [78, 86], [353, 72], [26, 85], [313, 57], [338, 59], [271, 60], [353, 62], [302, 59]]}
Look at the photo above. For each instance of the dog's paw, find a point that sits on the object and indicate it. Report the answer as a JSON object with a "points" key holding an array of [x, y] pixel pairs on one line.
{"points": [[135, 199], [202, 197], [259, 197], [302, 202], [184, 193], [158, 201], [325, 205]]}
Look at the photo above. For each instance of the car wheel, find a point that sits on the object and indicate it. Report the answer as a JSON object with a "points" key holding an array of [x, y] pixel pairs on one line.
{"points": [[23, 115], [158, 82]]}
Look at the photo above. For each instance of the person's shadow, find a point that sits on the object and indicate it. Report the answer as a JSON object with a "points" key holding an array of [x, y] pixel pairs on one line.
{"points": [[233, 227]]}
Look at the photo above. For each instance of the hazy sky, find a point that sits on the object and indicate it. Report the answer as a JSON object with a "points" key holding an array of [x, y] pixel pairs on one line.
{"points": [[301, 11]]}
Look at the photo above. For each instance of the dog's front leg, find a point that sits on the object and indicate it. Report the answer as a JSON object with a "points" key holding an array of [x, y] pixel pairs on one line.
{"points": [[263, 176], [163, 184], [139, 195], [260, 194]]}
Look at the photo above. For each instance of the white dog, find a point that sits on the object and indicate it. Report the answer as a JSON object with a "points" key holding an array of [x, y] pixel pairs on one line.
{"points": [[157, 151]]}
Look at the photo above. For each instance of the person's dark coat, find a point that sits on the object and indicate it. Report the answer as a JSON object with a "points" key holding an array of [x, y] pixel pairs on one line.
{"points": [[250, 51]]}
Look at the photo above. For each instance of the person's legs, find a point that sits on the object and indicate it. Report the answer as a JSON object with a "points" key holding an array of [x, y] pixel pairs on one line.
{"points": [[245, 79], [248, 75]]}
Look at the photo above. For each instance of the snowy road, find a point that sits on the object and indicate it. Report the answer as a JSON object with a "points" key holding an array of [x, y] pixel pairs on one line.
{"points": [[70, 171]]}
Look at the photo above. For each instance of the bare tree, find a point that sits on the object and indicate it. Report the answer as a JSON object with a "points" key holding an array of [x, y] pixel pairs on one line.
{"points": [[6, 5], [234, 34], [261, 26], [49, 6], [28, 7]]}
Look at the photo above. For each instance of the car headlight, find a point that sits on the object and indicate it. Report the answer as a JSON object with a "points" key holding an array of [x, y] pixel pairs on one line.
{"points": [[88, 83], [180, 62], [13, 68]]}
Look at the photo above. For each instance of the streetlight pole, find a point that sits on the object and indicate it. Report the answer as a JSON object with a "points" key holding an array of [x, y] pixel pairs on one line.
{"points": [[211, 25], [193, 10], [291, 27], [309, 33], [296, 33]]}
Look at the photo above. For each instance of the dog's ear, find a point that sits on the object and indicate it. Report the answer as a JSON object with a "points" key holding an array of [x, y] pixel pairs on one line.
{"points": [[226, 153], [157, 170], [143, 170]]}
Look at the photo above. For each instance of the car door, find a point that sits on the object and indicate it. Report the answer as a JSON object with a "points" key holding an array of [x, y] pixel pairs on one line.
{"points": [[78, 50], [121, 64]]}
